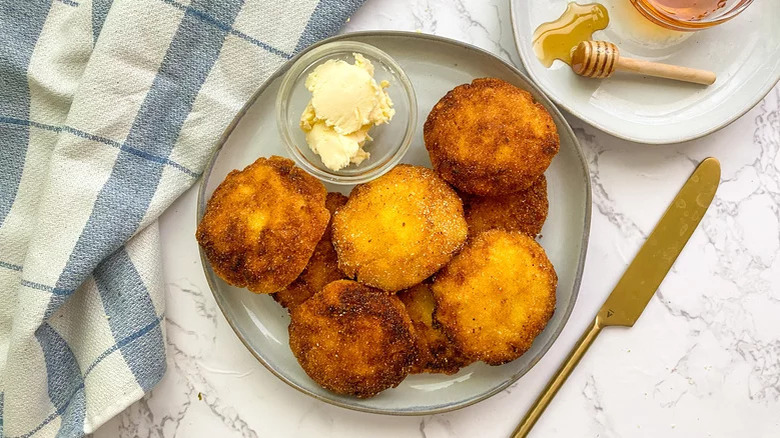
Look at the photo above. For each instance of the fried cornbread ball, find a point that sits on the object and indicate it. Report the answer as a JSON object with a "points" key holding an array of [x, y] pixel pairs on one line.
{"points": [[436, 354], [524, 211], [490, 138], [495, 296], [398, 229], [323, 267], [262, 223], [352, 339]]}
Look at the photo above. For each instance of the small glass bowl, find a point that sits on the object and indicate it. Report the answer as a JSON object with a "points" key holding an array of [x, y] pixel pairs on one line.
{"points": [[657, 15], [390, 141]]}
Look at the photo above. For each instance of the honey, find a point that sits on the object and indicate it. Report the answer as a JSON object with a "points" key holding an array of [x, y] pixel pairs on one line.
{"points": [[687, 10], [557, 39]]}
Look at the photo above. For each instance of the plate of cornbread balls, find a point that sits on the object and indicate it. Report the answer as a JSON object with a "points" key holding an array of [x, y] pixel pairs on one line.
{"points": [[396, 223]]}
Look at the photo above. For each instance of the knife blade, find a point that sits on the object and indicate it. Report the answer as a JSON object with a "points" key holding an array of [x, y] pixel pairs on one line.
{"points": [[642, 277], [654, 259]]}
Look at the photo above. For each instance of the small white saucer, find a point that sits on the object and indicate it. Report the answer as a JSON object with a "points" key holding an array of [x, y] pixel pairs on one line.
{"points": [[744, 53]]}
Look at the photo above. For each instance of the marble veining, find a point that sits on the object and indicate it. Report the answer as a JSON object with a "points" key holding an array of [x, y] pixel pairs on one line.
{"points": [[702, 361]]}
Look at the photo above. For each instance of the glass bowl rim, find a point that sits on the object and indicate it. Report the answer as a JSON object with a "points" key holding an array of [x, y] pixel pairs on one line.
{"points": [[689, 26]]}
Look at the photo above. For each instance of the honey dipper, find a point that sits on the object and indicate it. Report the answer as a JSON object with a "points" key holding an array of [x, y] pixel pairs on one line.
{"points": [[599, 59]]}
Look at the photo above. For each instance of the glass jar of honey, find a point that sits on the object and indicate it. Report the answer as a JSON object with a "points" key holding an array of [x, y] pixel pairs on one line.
{"points": [[690, 15]]}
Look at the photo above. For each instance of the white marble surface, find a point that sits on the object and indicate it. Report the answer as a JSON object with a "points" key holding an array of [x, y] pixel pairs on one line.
{"points": [[703, 360]]}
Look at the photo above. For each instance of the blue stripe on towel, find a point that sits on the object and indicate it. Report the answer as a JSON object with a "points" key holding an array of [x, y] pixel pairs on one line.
{"points": [[127, 305], [20, 25], [191, 55], [45, 288], [12, 267], [206, 18], [66, 386], [132, 150], [99, 12], [126, 195], [99, 139], [322, 24], [131, 338], [1, 414], [25, 122], [154, 325], [124, 199]]}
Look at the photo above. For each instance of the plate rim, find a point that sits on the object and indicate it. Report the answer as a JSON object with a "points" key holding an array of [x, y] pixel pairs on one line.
{"points": [[209, 274], [569, 108]]}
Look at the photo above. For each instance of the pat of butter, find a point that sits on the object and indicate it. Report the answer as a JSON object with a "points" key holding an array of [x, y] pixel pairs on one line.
{"points": [[346, 102]]}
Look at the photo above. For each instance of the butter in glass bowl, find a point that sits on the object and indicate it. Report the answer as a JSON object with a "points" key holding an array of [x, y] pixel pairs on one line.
{"points": [[346, 112]]}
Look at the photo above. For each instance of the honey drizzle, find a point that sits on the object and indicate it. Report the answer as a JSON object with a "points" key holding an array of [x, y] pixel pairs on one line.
{"points": [[557, 39]]}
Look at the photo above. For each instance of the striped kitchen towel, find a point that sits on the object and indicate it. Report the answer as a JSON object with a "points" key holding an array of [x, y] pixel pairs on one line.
{"points": [[108, 112]]}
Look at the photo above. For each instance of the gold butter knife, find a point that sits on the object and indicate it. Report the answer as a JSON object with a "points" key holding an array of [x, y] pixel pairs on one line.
{"points": [[641, 279]]}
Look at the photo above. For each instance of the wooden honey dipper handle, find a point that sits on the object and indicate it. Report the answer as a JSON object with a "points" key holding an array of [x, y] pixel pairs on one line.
{"points": [[599, 59]]}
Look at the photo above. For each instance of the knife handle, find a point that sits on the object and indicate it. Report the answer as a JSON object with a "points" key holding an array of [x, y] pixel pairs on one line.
{"points": [[557, 381]]}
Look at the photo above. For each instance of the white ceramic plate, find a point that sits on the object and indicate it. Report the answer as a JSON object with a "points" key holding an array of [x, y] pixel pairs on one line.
{"points": [[744, 53], [435, 66]]}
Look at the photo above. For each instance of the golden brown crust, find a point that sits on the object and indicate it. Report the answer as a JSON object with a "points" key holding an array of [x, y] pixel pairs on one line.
{"points": [[323, 267], [496, 296], [352, 339], [399, 229], [490, 138], [524, 211], [262, 224], [436, 354]]}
